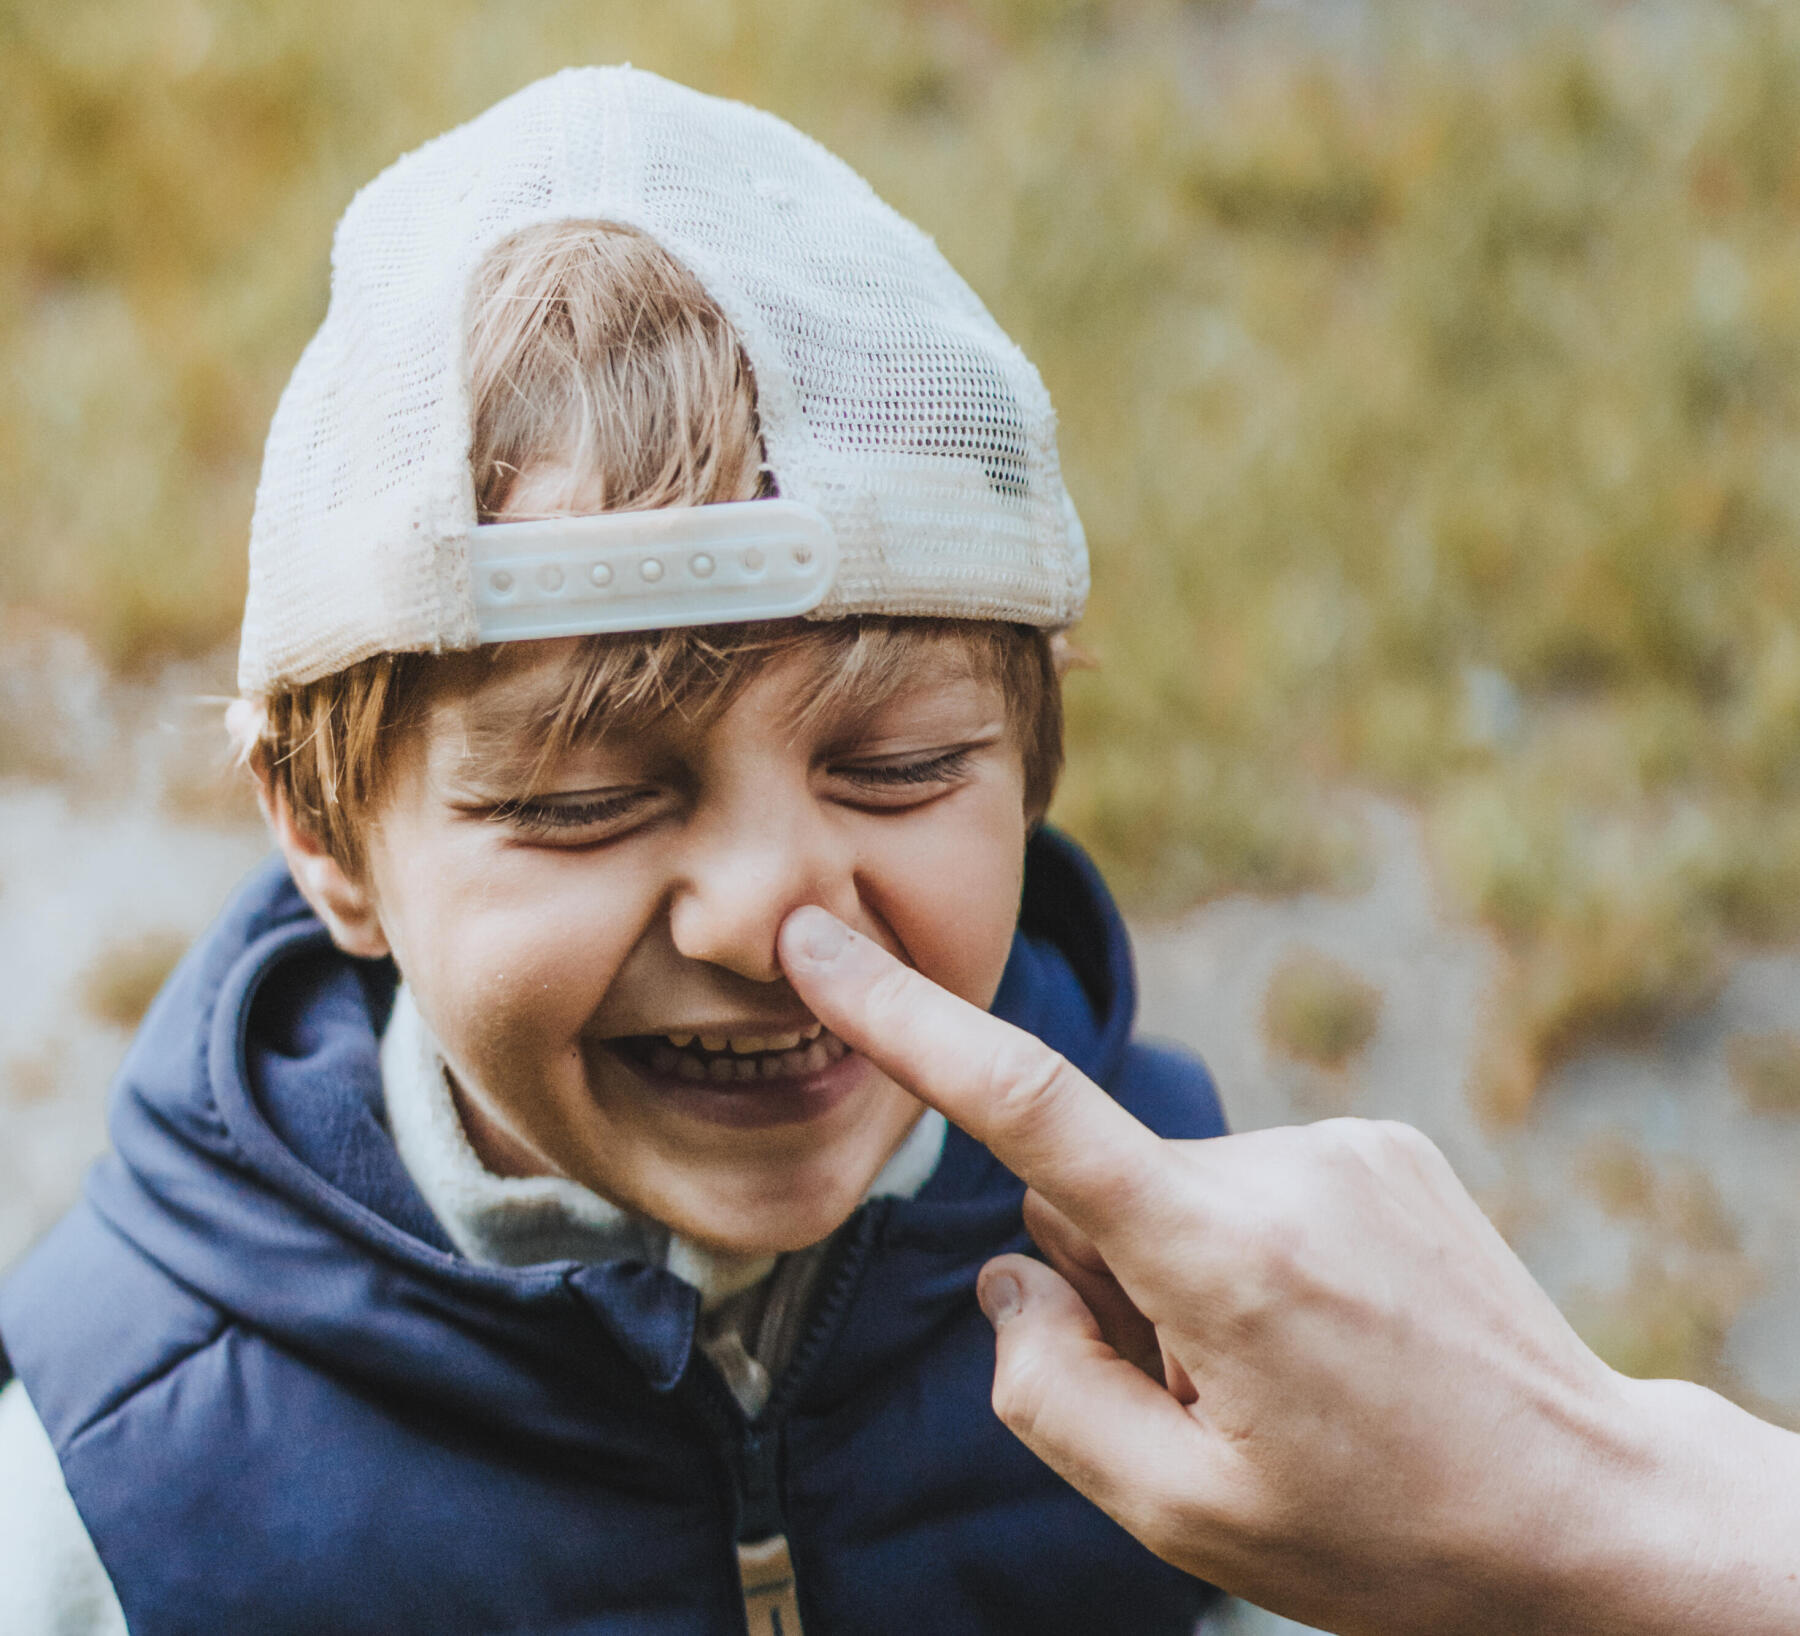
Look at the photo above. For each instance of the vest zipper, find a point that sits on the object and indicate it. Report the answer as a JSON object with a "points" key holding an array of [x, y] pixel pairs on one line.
{"points": [[765, 1564], [753, 1458], [753, 1449]]}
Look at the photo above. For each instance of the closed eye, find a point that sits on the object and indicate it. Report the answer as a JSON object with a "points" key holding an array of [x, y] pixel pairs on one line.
{"points": [[901, 780], [575, 818]]}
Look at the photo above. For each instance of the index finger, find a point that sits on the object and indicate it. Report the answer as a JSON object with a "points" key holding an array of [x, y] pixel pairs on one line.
{"points": [[1043, 1119]]}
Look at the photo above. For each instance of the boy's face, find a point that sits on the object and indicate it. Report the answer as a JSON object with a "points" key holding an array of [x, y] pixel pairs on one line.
{"points": [[578, 934]]}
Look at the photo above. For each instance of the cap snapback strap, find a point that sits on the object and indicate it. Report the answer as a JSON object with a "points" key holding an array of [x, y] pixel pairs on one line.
{"points": [[647, 570]]}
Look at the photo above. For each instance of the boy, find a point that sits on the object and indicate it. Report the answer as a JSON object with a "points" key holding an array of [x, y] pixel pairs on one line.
{"points": [[656, 537]]}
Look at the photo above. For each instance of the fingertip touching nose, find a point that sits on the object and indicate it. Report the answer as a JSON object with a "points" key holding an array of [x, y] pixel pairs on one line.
{"points": [[729, 907]]}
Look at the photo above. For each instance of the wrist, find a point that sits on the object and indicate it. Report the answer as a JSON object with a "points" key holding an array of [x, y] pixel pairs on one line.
{"points": [[1690, 1521]]}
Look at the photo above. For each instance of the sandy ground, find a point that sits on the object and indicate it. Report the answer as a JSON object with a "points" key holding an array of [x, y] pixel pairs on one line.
{"points": [[110, 835]]}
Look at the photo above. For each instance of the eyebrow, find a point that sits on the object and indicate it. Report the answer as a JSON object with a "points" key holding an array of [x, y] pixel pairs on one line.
{"points": [[512, 727], [506, 734], [868, 694]]}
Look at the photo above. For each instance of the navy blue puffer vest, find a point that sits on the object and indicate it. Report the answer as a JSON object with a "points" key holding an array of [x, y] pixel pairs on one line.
{"points": [[285, 1406]]}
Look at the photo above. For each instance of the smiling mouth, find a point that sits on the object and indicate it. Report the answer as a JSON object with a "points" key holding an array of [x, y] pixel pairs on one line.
{"points": [[722, 1059]]}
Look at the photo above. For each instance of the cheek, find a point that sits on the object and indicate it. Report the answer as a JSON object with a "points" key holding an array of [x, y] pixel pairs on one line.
{"points": [[949, 893], [507, 954]]}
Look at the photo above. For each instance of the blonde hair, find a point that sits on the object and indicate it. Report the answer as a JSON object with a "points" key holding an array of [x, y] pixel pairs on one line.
{"points": [[591, 349], [602, 371]]}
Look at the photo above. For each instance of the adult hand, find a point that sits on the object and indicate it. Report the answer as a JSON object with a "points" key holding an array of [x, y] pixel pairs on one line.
{"points": [[1302, 1364]]}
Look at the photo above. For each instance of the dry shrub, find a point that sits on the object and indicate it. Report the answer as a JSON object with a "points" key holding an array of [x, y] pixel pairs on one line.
{"points": [[119, 986], [1318, 1010], [1504, 1080], [35, 1076], [1765, 1068], [1689, 1274], [1614, 1172], [1615, 981], [1662, 1325]]}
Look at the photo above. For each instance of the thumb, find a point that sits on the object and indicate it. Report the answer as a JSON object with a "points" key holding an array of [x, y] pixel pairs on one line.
{"points": [[1092, 1416]]}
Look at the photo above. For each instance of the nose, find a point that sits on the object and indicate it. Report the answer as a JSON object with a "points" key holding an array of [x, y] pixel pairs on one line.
{"points": [[745, 871]]}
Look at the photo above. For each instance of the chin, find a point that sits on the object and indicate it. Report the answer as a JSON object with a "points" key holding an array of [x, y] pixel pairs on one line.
{"points": [[768, 1238], [771, 1230]]}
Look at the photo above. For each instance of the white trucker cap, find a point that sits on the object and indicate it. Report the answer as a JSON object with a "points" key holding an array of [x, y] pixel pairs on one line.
{"points": [[912, 445]]}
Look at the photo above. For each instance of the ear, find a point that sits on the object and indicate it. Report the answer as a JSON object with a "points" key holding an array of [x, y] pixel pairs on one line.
{"points": [[342, 900]]}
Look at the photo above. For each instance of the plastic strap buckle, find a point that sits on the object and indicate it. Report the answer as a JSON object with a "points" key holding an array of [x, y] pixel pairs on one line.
{"points": [[649, 570]]}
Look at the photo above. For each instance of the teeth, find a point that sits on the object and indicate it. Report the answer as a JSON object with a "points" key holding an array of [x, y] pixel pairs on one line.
{"points": [[769, 1061], [793, 1052]]}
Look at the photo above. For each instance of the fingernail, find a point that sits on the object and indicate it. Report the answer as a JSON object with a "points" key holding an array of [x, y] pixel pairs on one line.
{"points": [[1000, 1298], [818, 936]]}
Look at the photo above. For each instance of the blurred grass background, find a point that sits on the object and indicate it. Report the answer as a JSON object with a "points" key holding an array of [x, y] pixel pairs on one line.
{"points": [[1429, 379]]}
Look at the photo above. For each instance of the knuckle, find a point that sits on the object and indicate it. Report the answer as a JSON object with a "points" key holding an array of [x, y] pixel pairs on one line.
{"points": [[1275, 1268], [1392, 1152], [1352, 1150], [1340, 1139], [1401, 1138], [1027, 1083], [885, 999], [1020, 1392], [1413, 1145], [1034, 1099], [1281, 1264]]}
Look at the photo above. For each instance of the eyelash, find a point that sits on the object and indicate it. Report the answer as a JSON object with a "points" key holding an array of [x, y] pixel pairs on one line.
{"points": [[546, 817], [897, 775], [553, 818]]}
